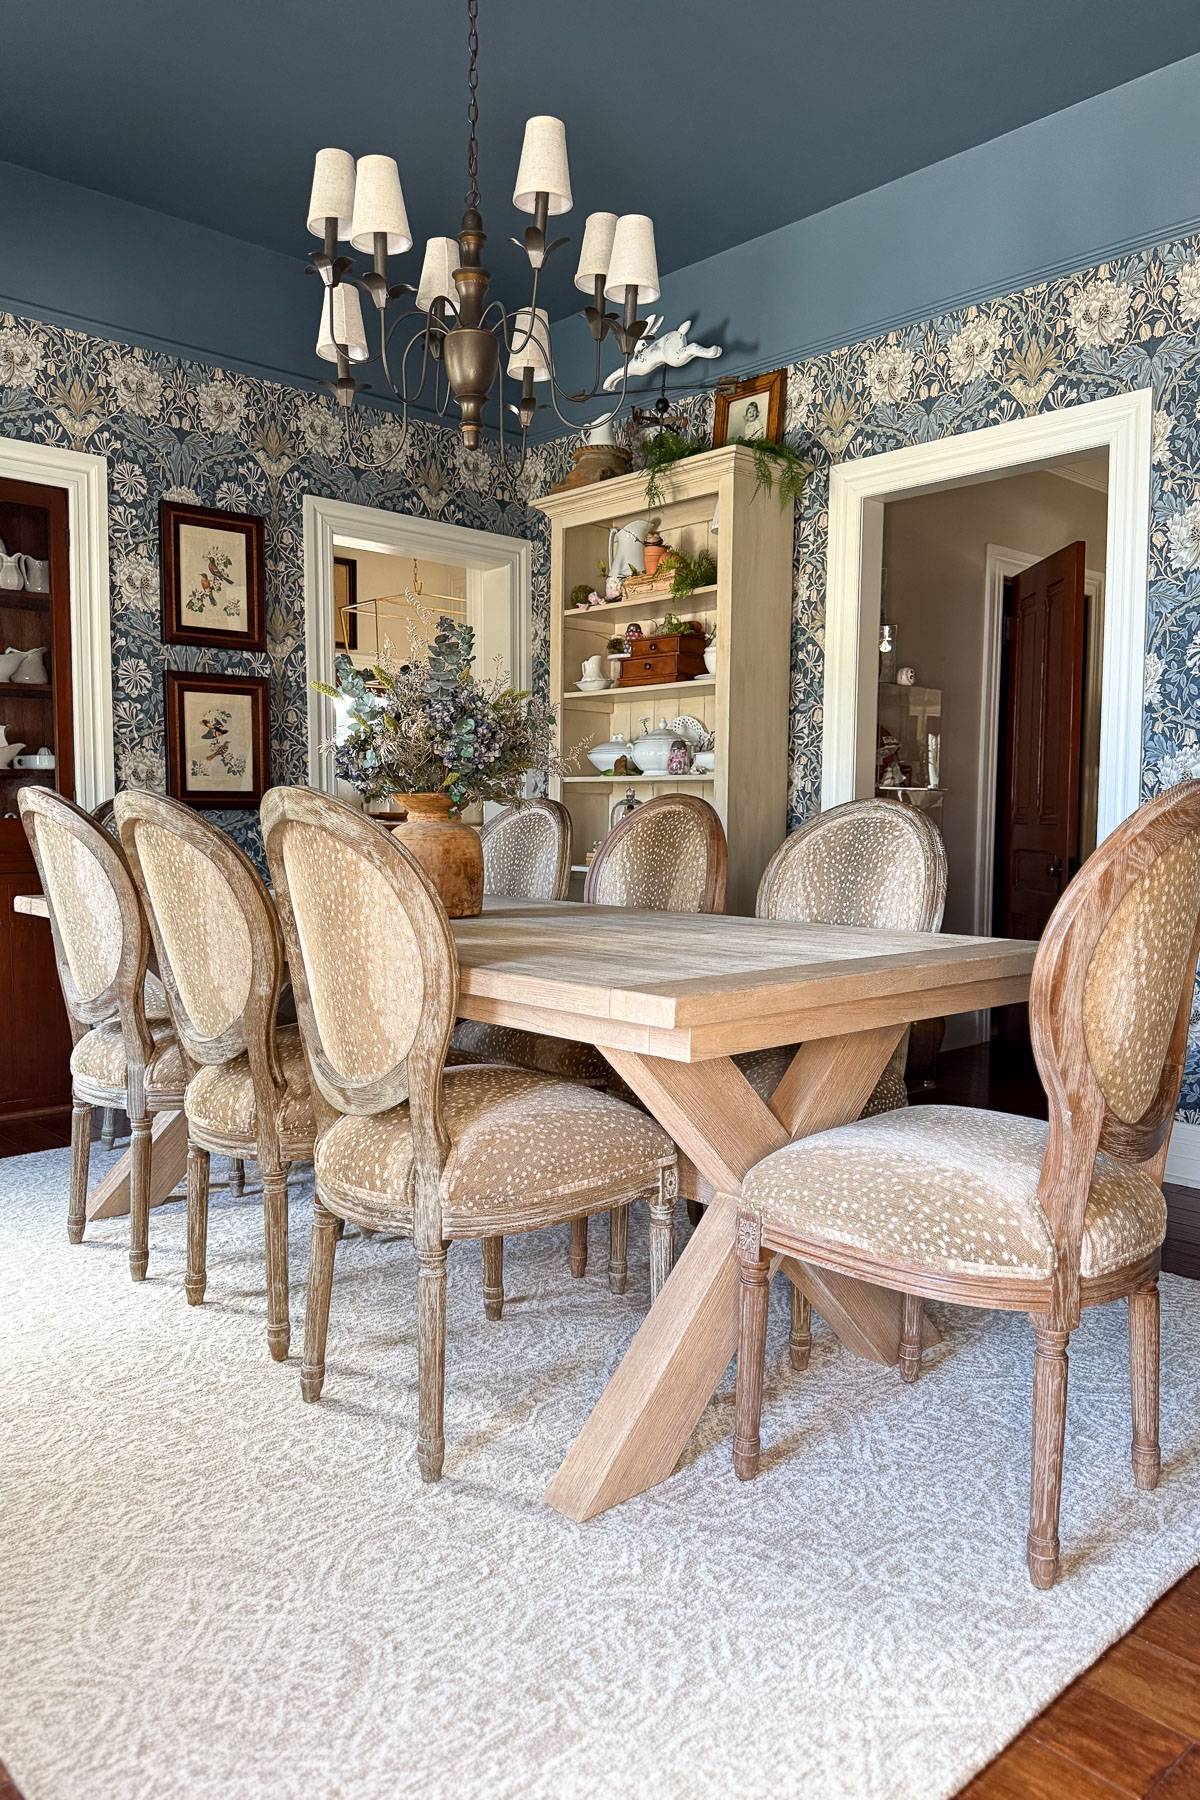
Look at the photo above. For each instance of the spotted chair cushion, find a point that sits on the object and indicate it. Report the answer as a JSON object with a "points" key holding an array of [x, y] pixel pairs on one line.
{"points": [[220, 1099], [530, 1050], [949, 1189], [524, 1149], [98, 1068]]}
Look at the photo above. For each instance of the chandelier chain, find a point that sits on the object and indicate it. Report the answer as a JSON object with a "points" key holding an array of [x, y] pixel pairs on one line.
{"points": [[473, 103]]}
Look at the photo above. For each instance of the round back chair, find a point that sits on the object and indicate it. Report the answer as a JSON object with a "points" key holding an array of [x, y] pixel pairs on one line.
{"points": [[669, 855], [527, 851], [869, 862]]}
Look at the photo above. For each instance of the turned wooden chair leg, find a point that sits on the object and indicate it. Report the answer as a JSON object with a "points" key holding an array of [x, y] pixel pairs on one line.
{"points": [[108, 1127], [662, 1230], [754, 1288], [81, 1145], [237, 1176], [912, 1321], [618, 1249], [275, 1221], [326, 1231], [1143, 1383], [431, 1361], [800, 1335], [197, 1224], [579, 1248], [493, 1277], [1045, 1475], [139, 1197]]}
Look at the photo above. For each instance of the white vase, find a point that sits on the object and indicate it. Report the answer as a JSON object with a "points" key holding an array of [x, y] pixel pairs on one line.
{"points": [[710, 658]]}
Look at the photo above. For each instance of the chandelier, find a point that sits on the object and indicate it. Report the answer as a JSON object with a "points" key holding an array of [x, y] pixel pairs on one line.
{"points": [[462, 341]]}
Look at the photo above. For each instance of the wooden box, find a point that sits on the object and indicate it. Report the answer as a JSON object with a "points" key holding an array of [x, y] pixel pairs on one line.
{"points": [[654, 659]]}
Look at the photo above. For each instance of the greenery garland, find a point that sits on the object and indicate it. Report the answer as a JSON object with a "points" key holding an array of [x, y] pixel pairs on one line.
{"points": [[776, 466]]}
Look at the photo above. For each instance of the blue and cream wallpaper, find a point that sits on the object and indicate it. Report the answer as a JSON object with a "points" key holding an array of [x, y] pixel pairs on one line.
{"points": [[188, 430]]}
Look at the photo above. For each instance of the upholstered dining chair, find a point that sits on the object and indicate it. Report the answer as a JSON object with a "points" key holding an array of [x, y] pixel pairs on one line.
{"points": [[867, 862], [527, 851], [668, 855], [406, 1143], [987, 1209], [120, 1058], [220, 954]]}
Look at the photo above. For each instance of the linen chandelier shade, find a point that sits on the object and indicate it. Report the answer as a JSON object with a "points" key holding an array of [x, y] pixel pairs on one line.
{"points": [[347, 330], [633, 263], [332, 194], [379, 206], [531, 343], [543, 167], [437, 272], [595, 252]]}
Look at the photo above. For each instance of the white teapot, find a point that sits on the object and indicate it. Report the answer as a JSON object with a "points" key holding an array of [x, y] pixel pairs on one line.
{"points": [[8, 752], [627, 549]]}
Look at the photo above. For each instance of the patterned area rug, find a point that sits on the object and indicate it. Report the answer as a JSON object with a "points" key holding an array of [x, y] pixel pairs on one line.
{"points": [[209, 1589]]}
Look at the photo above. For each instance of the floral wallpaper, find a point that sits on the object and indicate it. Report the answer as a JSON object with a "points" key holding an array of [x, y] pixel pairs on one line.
{"points": [[191, 432]]}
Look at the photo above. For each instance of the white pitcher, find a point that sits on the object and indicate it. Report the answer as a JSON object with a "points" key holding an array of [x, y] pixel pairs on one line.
{"points": [[32, 667], [12, 575], [36, 573], [626, 548]]}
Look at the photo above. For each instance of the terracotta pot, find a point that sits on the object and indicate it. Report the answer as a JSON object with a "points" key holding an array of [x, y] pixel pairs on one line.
{"points": [[450, 853]]}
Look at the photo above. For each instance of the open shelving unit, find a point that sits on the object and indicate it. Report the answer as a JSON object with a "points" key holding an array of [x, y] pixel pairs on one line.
{"points": [[745, 703]]}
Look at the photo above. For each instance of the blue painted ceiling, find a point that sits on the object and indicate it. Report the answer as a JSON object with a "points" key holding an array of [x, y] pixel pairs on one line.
{"points": [[721, 120]]}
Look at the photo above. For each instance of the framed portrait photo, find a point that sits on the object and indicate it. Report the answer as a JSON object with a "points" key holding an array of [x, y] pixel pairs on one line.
{"points": [[750, 409], [212, 577], [217, 738]]}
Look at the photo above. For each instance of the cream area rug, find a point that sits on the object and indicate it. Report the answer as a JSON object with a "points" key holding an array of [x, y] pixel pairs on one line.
{"points": [[209, 1589]]}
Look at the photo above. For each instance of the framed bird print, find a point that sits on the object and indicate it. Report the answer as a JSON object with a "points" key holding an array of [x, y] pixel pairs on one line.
{"points": [[212, 577], [217, 738]]}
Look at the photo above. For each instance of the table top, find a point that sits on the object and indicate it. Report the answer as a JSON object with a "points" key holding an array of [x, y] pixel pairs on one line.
{"points": [[691, 986]]}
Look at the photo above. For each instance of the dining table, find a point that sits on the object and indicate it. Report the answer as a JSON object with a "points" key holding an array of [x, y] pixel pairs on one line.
{"points": [[671, 1000]]}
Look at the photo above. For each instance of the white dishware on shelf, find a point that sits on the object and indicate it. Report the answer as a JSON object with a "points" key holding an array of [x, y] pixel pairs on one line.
{"points": [[603, 756], [692, 730], [652, 750], [32, 667], [706, 762], [593, 669], [9, 753], [592, 687], [627, 549], [36, 573], [10, 660], [12, 576], [41, 759], [710, 658]]}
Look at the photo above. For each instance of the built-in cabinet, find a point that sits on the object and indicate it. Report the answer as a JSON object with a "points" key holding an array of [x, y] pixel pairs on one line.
{"points": [[710, 502], [34, 1078]]}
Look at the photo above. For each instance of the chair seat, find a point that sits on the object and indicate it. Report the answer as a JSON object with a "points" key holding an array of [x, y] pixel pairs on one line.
{"points": [[530, 1050], [951, 1190], [98, 1069], [220, 1101], [765, 1069], [525, 1149]]}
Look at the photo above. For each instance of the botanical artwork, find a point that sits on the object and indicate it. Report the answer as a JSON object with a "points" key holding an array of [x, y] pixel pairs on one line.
{"points": [[217, 740], [212, 578]]}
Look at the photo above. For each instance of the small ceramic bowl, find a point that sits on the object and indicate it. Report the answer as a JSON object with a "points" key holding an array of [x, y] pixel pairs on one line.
{"points": [[592, 687], [706, 762], [9, 754]]}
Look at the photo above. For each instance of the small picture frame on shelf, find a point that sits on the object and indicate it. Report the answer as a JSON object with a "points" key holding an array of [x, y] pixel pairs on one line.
{"points": [[218, 738], [750, 409], [213, 577]]}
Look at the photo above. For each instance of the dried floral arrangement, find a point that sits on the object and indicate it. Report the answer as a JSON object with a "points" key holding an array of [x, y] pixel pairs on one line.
{"points": [[430, 725]]}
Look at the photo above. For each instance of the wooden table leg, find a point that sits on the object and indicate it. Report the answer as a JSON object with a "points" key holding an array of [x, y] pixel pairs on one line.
{"points": [[168, 1160], [634, 1435]]}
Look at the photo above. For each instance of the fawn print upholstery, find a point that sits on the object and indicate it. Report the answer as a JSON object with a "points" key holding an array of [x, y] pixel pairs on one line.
{"points": [[660, 859], [996, 1211], [98, 1066], [203, 930], [1130, 997], [220, 1099], [85, 906], [406, 1142], [521, 1145], [951, 1190], [527, 851]]}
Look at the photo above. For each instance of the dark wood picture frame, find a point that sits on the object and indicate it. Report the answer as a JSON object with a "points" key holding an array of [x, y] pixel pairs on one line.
{"points": [[345, 599], [772, 386], [181, 682], [177, 626]]}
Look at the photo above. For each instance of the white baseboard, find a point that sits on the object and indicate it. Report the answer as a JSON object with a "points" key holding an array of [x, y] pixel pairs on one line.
{"points": [[1183, 1157]]}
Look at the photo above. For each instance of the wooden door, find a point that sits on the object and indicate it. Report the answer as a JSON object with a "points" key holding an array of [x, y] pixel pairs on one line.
{"points": [[35, 1038], [1043, 689]]}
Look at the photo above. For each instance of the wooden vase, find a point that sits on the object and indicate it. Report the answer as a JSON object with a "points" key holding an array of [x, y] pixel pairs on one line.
{"points": [[450, 852]]}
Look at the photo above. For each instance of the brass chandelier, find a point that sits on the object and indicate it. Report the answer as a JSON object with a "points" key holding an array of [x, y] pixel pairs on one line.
{"points": [[463, 341]]}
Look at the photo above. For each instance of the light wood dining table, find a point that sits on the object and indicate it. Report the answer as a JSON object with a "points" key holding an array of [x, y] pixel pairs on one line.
{"points": [[670, 999]]}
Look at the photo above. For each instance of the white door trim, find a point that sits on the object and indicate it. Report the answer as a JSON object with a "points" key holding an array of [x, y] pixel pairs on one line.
{"points": [[375, 528], [85, 479], [858, 491]]}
